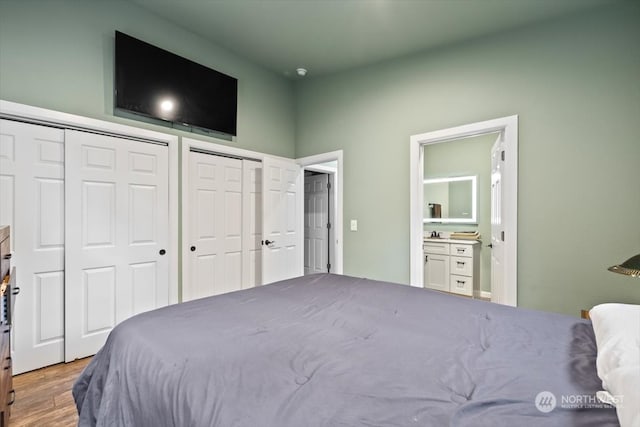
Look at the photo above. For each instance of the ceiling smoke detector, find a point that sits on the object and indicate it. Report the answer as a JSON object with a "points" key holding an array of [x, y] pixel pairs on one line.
{"points": [[301, 71]]}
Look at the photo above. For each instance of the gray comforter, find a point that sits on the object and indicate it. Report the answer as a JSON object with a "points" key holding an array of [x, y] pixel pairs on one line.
{"points": [[328, 350]]}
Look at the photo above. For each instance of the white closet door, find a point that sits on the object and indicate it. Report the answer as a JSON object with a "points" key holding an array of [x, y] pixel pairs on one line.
{"points": [[316, 220], [116, 235], [251, 223], [32, 192], [282, 226], [215, 203]]}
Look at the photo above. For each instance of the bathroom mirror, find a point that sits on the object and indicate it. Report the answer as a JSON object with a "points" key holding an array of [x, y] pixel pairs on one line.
{"points": [[451, 200]]}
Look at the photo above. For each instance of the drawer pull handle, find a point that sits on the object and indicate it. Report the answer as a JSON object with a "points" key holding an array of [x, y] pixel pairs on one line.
{"points": [[461, 282], [10, 363], [460, 250], [460, 262], [12, 393], [8, 256], [16, 291]]}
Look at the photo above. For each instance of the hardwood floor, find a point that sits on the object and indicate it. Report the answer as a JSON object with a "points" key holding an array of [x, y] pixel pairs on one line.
{"points": [[43, 397]]}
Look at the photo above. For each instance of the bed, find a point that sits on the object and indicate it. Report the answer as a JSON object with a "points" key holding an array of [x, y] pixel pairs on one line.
{"points": [[331, 350]]}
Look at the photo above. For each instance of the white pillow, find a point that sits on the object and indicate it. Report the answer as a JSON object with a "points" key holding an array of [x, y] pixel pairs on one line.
{"points": [[626, 394], [617, 331]]}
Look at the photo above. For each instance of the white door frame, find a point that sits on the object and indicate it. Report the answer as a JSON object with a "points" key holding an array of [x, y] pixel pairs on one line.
{"points": [[311, 163], [37, 115], [507, 127]]}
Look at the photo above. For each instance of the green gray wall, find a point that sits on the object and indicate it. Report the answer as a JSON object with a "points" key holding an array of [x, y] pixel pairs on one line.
{"points": [[469, 156], [58, 54], [575, 84]]}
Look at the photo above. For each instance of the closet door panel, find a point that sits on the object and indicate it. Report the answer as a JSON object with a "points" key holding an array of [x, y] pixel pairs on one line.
{"points": [[206, 203], [32, 188], [215, 226], [232, 229], [252, 223], [116, 236]]}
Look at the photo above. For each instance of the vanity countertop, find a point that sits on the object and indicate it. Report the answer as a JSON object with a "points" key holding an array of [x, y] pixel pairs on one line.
{"points": [[443, 240]]}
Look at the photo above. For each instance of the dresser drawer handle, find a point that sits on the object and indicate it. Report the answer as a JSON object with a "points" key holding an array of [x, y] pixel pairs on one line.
{"points": [[16, 290], [461, 282], [12, 393], [10, 363], [460, 262]]}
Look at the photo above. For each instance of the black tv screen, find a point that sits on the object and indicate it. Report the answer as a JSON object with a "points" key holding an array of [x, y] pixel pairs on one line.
{"points": [[159, 84]]}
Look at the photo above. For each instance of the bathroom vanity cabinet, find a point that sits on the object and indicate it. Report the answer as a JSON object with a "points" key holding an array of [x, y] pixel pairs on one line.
{"points": [[452, 265]]}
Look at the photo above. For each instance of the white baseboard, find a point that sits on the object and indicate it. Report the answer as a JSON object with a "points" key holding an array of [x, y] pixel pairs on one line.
{"points": [[482, 294]]}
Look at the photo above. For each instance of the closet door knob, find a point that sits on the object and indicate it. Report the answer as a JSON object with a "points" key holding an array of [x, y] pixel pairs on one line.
{"points": [[193, 248], [162, 252]]}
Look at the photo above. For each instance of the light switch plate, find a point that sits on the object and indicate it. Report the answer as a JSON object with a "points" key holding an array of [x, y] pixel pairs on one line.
{"points": [[354, 225]]}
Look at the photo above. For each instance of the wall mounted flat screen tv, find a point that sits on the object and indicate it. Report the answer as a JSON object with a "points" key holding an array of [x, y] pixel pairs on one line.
{"points": [[156, 83]]}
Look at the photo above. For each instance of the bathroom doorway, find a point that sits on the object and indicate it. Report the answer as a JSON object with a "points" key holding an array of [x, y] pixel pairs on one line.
{"points": [[458, 181], [504, 201]]}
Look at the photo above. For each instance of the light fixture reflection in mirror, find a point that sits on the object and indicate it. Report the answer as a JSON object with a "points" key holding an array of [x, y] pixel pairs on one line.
{"points": [[451, 200]]}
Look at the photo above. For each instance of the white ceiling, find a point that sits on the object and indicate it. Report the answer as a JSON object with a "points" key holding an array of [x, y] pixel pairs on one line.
{"points": [[326, 36]]}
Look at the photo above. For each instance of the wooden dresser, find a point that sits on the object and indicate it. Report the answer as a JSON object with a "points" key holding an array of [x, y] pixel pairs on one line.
{"points": [[7, 291]]}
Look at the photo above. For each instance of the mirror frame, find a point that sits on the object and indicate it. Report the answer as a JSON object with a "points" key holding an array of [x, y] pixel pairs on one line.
{"points": [[474, 200]]}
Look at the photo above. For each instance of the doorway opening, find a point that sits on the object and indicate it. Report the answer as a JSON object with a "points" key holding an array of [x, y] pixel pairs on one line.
{"points": [[323, 184], [457, 201], [318, 219], [504, 201]]}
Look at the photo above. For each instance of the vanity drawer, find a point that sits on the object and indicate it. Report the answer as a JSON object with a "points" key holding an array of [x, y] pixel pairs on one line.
{"points": [[436, 248], [462, 285], [461, 265], [461, 250]]}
